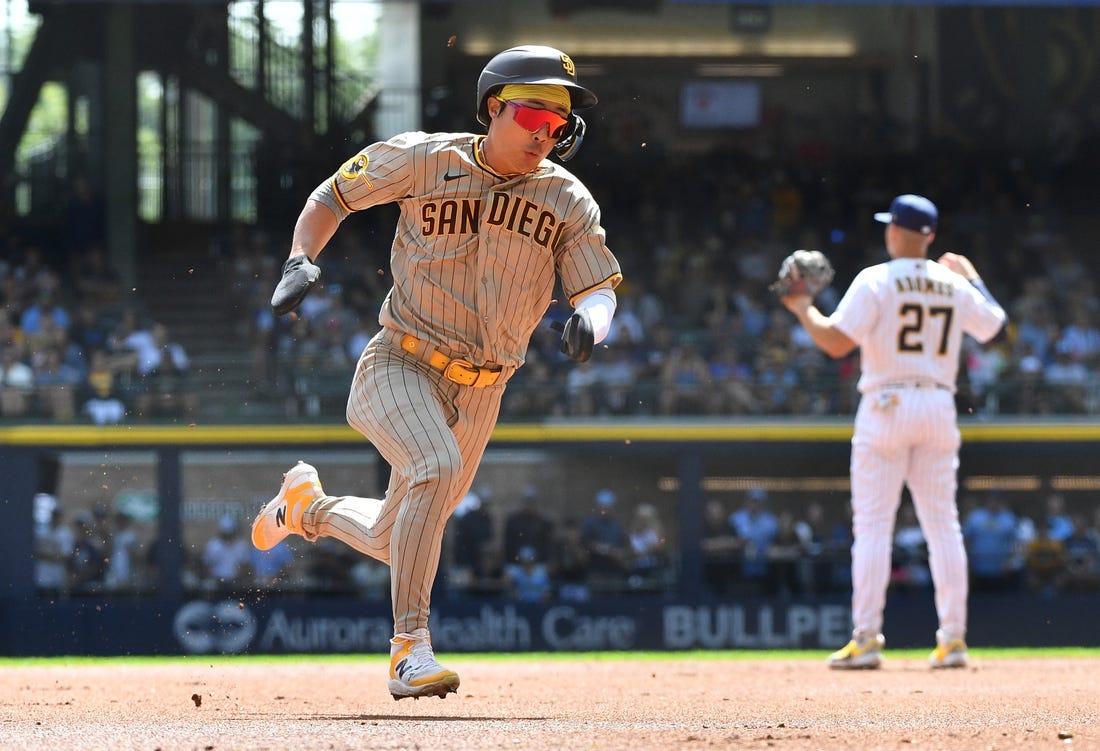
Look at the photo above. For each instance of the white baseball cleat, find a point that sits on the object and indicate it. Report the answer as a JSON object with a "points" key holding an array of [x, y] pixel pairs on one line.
{"points": [[283, 514], [863, 652], [413, 668], [950, 652]]}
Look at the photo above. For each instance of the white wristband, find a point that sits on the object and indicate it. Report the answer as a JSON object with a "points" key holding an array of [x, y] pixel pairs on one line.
{"points": [[600, 304]]}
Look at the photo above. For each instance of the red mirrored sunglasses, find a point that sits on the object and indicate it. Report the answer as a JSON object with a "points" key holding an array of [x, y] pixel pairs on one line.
{"points": [[532, 119]]}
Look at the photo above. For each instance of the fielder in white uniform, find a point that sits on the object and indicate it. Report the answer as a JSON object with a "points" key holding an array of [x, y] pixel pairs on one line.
{"points": [[907, 316], [487, 225]]}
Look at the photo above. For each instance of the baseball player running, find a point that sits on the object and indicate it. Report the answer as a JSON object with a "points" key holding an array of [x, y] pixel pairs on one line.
{"points": [[907, 316], [487, 224]]}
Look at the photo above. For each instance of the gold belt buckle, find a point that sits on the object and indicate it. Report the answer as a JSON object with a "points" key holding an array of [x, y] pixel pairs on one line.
{"points": [[462, 372]]}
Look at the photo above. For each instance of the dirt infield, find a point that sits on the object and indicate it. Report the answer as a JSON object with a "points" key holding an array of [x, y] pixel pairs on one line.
{"points": [[628, 705]]}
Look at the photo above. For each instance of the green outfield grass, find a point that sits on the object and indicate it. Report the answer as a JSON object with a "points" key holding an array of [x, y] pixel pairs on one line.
{"points": [[991, 653]]}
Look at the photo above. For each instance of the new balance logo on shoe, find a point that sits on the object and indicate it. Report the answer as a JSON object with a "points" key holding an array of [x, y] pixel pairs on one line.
{"points": [[414, 670], [282, 515]]}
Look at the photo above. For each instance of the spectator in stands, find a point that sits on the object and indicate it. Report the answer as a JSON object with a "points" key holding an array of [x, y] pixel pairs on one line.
{"points": [[730, 389], [53, 547], [776, 380], [226, 559], [1067, 383], [616, 376], [626, 328], [721, 546], [684, 380], [1033, 317], [570, 565], [1044, 561], [1023, 382], [1059, 521], [88, 559], [56, 385], [649, 566], [31, 273], [1080, 339], [1082, 557], [45, 306], [757, 526], [16, 382], [124, 556], [101, 401], [330, 567], [528, 578], [371, 578], [162, 369], [785, 576], [270, 567], [259, 326], [813, 534], [527, 526], [583, 387], [534, 391], [1093, 531], [472, 536], [990, 534], [88, 330], [605, 539], [985, 369]]}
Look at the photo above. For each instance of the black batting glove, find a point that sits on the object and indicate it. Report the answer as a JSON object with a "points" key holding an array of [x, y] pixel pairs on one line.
{"points": [[577, 336], [299, 276]]}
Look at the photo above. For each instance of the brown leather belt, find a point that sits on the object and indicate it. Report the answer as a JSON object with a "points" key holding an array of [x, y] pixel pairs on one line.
{"points": [[455, 369]]}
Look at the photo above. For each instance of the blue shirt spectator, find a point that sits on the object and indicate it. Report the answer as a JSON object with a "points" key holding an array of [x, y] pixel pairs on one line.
{"points": [[528, 579], [757, 527], [990, 534]]}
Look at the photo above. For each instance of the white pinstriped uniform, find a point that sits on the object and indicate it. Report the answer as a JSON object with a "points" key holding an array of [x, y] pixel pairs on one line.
{"points": [[474, 263], [908, 316]]}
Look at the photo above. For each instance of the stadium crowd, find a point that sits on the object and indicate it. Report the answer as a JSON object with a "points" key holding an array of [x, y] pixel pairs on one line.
{"points": [[696, 332], [515, 549]]}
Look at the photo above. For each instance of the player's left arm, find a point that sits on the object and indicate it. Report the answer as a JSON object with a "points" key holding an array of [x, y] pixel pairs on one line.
{"points": [[989, 318], [589, 274], [599, 305]]}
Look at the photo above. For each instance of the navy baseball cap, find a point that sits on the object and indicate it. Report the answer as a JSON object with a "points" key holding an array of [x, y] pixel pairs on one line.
{"points": [[911, 212]]}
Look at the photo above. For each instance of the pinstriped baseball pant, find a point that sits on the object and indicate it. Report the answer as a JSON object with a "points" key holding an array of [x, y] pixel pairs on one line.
{"points": [[915, 442], [433, 433]]}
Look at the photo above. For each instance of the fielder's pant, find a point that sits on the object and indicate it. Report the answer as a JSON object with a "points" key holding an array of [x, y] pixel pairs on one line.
{"points": [[914, 440]]}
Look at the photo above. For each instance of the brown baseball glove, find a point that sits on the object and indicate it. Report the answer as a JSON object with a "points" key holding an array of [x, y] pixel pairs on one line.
{"points": [[803, 272]]}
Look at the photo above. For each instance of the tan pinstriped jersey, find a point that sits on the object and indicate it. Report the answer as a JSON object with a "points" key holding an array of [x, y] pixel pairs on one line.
{"points": [[475, 254]]}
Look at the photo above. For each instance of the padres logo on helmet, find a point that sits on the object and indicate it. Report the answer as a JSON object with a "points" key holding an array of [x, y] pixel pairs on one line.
{"points": [[567, 65]]}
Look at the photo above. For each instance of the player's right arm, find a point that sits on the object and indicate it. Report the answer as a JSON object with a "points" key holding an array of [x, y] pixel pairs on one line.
{"points": [[377, 174], [315, 227]]}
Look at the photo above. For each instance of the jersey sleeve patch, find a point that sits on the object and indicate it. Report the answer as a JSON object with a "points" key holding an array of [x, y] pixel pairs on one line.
{"points": [[356, 167]]}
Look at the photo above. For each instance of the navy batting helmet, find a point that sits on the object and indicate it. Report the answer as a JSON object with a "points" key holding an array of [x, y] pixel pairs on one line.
{"points": [[530, 64], [535, 64]]}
